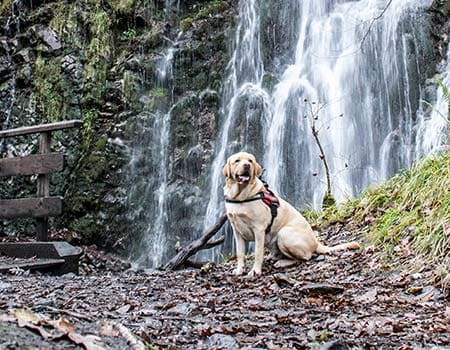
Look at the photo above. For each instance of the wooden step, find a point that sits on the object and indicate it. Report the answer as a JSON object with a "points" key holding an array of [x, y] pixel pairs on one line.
{"points": [[30, 264]]}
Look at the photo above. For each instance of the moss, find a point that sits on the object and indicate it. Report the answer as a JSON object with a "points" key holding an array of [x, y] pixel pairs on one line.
{"points": [[129, 88], [447, 8], [64, 21], [5, 7], [98, 54], [122, 6], [47, 80], [186, 23], [199, 11], [151, 39], [87, 227], [89, 116]]}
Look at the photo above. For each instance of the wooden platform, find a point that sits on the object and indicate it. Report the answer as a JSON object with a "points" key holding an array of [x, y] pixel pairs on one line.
{"points": [[55, 257], [29, 264]]}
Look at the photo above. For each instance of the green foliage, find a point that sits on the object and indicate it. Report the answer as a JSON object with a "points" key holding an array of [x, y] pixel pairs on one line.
{"points": [[412, 207], [202, 10], [98, 55], [5, 7], [122, 6], [186, 23], [128, 34], [47, 77], [445, 92], [129, 88], [158, 92], [89, 118], [446, 96], [64, 21]]}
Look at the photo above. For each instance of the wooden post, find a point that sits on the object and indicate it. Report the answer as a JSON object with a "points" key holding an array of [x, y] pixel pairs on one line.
{"points": [[43, 187]]}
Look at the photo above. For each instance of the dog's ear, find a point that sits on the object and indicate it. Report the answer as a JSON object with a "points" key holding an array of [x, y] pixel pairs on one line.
{"points": [[226, 171], [258, 169]]}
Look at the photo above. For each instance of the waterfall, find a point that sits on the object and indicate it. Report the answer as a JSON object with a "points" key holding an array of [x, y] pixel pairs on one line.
{"points": [[243, 101], [432, 127], [361, 62], [152, 152], [361, 65]]}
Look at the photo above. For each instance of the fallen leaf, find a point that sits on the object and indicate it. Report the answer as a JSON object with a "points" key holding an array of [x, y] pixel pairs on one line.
{"points": [[107, 329], [90, 342], [24, 317], [368, 297], [63, 325], [124, 309]]}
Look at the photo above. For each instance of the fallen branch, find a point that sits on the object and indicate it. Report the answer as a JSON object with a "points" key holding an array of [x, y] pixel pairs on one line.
{"points": [[131, 339], [199, 244]]}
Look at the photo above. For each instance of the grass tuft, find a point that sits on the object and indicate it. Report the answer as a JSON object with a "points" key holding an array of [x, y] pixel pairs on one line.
{"points": [[412, 209]]}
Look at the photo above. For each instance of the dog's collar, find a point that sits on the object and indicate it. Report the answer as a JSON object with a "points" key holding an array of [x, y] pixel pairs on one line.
{"points": [[258, 196]]}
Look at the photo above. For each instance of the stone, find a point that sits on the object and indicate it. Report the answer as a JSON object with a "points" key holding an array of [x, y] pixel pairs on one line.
{"points": [[49, 37], [222, 341]]}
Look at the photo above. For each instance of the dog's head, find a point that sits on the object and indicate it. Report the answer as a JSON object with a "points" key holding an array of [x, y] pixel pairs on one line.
{"points": [[242, 168]]}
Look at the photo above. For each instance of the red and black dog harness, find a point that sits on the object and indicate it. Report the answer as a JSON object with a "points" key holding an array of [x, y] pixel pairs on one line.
{"points": [[269, 198]]}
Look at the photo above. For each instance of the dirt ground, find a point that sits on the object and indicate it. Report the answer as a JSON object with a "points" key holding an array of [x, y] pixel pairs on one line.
{"points": [[351, 300]]}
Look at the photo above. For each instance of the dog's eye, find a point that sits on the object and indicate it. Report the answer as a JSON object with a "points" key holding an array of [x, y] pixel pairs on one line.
{"points": [[237, 160], [250, 160]]}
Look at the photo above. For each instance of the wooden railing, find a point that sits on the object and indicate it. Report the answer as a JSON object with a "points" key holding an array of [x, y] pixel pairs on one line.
{"points": [[43, 206]]}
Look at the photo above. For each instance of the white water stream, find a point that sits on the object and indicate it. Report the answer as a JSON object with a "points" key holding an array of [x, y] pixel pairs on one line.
{"points": [[362, 63]]}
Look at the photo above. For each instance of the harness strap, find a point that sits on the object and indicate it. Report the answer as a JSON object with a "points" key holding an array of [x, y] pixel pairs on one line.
{"points": [[269, 198]]}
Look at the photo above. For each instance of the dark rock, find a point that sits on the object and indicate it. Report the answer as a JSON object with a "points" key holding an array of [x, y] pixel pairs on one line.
{"points": [[321, 288]]}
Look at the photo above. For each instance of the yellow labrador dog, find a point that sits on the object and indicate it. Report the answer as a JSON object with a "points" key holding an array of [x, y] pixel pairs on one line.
{"points": [[287, 235]]}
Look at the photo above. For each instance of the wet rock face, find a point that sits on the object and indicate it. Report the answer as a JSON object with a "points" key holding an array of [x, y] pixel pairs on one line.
{"points": [[98, 62]]}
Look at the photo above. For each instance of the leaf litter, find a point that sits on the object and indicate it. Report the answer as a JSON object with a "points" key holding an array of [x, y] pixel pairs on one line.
{"points": [[350, 300]]}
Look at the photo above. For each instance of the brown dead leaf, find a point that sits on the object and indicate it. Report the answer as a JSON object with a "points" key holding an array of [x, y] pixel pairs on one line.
{"points": [[63, 325], [29, 320], [368, 297], [25, 317], [90, 342], [44, 334], [107, 329]]}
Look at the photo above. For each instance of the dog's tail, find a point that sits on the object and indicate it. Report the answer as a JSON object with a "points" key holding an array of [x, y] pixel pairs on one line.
{"points": [[323, 249]]}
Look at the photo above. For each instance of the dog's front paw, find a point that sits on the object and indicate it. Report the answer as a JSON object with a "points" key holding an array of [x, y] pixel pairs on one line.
{"points": [[238, 271], [254, 272]]}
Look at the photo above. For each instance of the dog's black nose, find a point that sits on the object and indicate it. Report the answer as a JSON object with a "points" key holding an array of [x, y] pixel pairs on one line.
{"points": [[247, 166]]}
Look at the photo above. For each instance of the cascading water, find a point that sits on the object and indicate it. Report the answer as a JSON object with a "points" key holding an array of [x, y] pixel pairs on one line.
{"points": [[362, 62], [244, 101], [152, 152]]}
